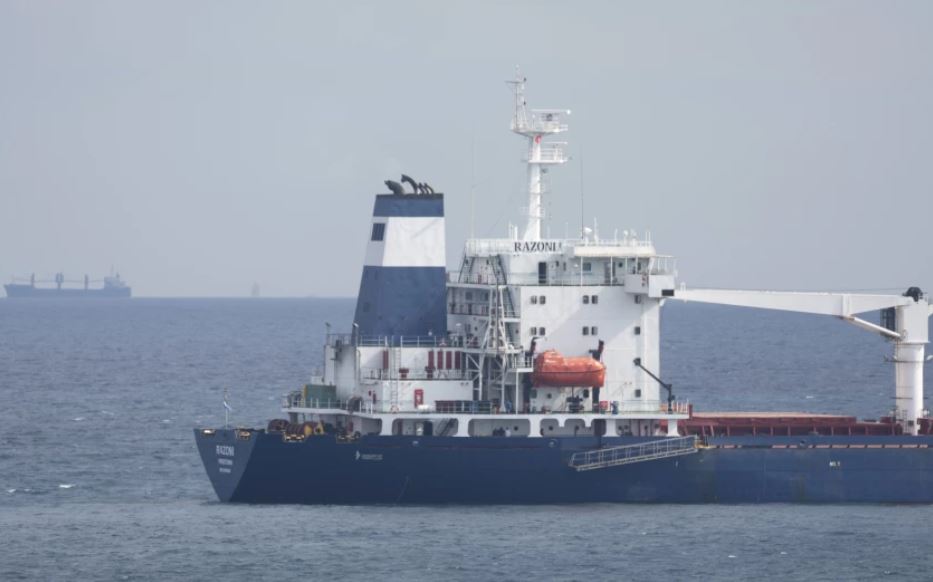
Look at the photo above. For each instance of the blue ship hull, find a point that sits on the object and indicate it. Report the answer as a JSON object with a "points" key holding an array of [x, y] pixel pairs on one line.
{"points": [[14, 291], [260, 467]]}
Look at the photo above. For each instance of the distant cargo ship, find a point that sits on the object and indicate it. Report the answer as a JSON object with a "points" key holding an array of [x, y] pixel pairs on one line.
{"points": [[113, 287]]}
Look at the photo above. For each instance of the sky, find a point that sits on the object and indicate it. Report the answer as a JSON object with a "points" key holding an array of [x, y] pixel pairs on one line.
{"points": [[200, 147]]}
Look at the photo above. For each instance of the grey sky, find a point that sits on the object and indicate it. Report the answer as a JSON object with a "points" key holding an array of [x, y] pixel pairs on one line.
{"points": [[202, 146]]}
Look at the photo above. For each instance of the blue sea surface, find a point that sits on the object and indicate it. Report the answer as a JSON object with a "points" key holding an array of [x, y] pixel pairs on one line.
{"points": [[100, 478]]}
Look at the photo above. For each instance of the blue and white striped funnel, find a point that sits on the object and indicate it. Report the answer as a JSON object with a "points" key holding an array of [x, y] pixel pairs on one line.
{"points": [[403, 291]]}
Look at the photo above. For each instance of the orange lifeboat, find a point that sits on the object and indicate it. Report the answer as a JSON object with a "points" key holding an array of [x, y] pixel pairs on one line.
{"points": [[554, 370]]}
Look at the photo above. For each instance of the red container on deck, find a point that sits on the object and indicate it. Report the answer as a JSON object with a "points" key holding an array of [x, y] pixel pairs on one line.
{"points": [[554, 370]]}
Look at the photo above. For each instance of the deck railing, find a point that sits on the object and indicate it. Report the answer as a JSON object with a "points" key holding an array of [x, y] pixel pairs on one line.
{"points": [[297, 400]]}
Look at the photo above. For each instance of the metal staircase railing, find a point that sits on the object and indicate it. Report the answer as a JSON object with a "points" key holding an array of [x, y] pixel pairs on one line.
{"points": [[637, 453], [466, 269], [445, 428]]}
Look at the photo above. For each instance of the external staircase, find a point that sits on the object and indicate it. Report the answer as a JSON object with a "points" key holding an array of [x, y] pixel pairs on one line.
{"points": [[637, 453]]}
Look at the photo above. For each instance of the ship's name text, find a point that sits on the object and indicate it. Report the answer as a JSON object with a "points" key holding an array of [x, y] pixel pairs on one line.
{"points": [[538, 246], [225, 450]]}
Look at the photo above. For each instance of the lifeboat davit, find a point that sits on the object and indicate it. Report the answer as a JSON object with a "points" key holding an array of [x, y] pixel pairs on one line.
{"points": [[554, 370]]}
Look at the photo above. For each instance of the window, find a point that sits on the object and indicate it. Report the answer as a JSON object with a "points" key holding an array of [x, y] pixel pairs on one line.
{"points": [[637, 393], [587, 267], [586, 300], [594, 330], [637, 330], [638, 299], [379, 231], [533, 331], [595, 299], [586, 330], [534, 299], [542, 300], [542, 331], [469, 296]]}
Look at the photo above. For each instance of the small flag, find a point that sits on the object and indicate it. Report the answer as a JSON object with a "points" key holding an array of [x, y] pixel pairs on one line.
{"points": [[226, 404]]}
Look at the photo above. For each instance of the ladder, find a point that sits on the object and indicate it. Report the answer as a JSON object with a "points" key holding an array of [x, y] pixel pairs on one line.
{"points": [[395, 362], [637, 453]]}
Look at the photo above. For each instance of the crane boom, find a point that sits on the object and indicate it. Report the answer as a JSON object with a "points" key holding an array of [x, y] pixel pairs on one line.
{"points": [[910, 331], [838, 304]]}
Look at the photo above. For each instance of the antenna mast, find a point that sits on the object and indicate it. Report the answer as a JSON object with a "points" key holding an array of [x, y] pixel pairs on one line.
{"points": [[535, 125]]}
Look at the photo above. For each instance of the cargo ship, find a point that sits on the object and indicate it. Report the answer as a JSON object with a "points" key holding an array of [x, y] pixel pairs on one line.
{"points": [[113, 287], [531, 373]]}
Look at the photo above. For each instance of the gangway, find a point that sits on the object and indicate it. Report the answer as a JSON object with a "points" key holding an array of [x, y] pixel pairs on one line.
{"points": [[637, 453]]}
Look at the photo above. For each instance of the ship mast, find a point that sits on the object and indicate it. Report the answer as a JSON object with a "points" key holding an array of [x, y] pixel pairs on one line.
{"points": [[535, 125]]}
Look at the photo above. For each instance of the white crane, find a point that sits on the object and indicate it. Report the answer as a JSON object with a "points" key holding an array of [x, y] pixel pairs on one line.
{"points": [[908, 331]]}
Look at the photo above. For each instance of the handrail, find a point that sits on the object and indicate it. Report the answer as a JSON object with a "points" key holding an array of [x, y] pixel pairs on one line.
{"points": [[626, 454], [296, 400]]}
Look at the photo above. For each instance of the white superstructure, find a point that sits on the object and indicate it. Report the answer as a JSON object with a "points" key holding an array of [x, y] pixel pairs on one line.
{"points": [[512, 298]]}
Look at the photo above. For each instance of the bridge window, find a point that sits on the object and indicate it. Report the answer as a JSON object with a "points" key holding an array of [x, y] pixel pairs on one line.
{"points": [[379, 231], [587, 267], [534, 331], [594, 330], [542, 300], [586, 330], [595, 299], [542, 331], [534, 299], [586, 300], [637, 393]]}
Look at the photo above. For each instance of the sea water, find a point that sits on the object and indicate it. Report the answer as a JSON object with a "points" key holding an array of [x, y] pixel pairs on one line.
{"points": [[100, 477]]}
